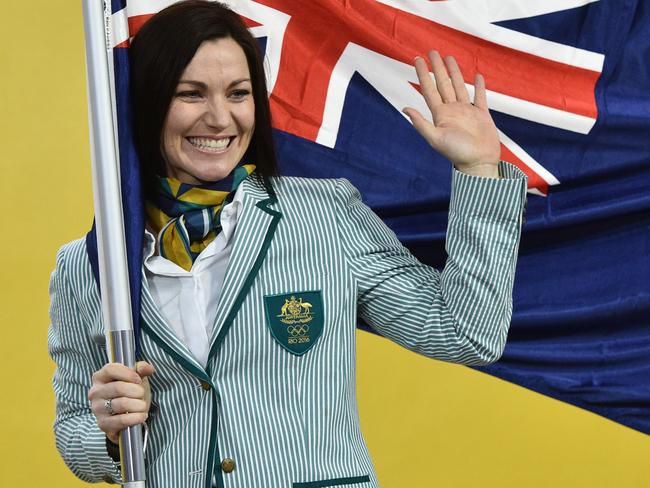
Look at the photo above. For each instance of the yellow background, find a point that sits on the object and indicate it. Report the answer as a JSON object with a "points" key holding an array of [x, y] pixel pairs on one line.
{"points": [[427, 423]]}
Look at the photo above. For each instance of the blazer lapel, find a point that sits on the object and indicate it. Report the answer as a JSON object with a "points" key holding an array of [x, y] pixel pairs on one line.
{"points": [[155, 326], [253, 237]]}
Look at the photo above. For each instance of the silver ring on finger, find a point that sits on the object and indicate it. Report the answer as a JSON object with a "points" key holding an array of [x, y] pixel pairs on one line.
{"points": [[108, 406]]}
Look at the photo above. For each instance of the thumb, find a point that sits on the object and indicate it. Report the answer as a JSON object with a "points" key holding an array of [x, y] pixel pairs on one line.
{"points": [[144, 369], [425, 128]]}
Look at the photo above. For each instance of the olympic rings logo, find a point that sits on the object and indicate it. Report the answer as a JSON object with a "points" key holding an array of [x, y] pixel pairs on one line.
{"points": [[298, 330]]}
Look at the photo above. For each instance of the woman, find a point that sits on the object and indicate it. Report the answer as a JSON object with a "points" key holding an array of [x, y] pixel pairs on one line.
{"points": [[253, 282]]}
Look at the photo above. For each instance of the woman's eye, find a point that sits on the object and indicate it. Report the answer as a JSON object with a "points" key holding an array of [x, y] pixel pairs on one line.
{"points": [[240, 93], [189, 94]]}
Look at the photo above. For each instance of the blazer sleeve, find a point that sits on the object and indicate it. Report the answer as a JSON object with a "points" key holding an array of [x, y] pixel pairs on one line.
{"points": [[78, 438], [461, 314]]}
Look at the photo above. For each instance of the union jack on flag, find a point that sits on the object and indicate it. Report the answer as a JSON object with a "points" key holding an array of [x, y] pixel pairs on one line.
{"points": [[568, 87]]}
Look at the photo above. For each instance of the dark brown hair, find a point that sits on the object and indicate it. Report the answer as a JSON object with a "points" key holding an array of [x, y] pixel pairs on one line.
{"points": [[161, 51]]}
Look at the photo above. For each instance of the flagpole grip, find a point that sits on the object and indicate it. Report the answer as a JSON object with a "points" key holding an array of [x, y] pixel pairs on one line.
{"points": [[121, 344], [109, 220]]}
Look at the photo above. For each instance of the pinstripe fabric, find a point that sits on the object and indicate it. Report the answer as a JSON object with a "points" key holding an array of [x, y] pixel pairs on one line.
{"points": [[285, 418]]}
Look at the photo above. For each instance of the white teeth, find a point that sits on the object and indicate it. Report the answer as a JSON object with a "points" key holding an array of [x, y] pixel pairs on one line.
{"points": [[205, 143]]}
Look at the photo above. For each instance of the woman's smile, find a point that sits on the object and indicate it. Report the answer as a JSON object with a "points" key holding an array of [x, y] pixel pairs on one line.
{"points": [[210, 145]]}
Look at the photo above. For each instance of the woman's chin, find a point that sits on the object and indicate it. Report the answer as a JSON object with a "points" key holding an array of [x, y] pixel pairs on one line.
{"points": [[202, 172]]}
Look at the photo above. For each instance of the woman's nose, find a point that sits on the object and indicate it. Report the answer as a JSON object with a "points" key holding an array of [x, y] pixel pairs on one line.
{"points": [[217, 114]]}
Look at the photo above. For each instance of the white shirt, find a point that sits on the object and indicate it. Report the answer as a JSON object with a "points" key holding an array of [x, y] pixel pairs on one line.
{"points": [[188, 300]]}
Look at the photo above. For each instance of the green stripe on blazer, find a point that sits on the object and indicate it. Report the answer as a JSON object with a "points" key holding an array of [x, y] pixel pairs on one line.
{"points": [[290, 419]]}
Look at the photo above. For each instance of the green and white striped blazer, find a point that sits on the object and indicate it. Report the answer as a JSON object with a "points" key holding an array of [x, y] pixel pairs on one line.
{"points": [[278, 394]]}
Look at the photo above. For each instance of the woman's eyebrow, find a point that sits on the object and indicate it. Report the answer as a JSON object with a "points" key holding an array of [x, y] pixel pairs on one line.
{"points": [[202, 85], [199, 84], [241, 80]]}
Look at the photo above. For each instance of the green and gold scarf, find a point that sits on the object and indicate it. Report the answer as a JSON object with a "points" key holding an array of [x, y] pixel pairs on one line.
{"points": [[186, 217]]}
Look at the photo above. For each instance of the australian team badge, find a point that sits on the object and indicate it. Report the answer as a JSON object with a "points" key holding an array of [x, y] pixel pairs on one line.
{"points": [[295, 319]]}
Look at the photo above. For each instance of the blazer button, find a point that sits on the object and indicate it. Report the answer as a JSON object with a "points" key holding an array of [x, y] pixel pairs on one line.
{"points": [[205, 385], [228, 465]]}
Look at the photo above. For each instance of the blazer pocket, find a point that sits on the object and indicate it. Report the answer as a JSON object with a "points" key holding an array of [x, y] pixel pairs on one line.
{"points": [[333, 482], [295, 319]]}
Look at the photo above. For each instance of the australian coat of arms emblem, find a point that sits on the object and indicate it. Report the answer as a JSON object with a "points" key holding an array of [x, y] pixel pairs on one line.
{"points": [[296, 311], [295, 319]]}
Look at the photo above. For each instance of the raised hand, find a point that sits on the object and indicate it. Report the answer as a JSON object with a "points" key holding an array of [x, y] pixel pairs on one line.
{"points": [[461, 131]]}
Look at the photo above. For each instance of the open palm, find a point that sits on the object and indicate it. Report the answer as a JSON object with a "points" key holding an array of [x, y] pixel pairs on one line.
{"points": [[461, 131]]}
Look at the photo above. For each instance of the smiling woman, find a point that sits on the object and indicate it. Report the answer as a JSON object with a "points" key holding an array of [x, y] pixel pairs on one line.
{"points": [[212, 115], [253, 283], [197, 74]]}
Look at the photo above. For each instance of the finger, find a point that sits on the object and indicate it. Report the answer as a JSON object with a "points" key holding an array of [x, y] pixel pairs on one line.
{"points": [[443, 82], [480, 96], [457, 81], [429, 90], [116, 389], [129, 405], [425, 128], [113, 424], [115, 372], [119, 406], [144, 369]]}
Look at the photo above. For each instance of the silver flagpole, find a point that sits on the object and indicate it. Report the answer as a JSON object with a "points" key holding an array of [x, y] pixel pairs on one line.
{"points": [[113, 270]]}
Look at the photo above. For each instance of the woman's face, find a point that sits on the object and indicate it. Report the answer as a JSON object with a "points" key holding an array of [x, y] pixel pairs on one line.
{"points": [[212, 115]]}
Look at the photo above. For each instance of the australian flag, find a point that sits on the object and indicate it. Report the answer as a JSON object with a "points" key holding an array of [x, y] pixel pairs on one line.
{"points": [[569, 89]]}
